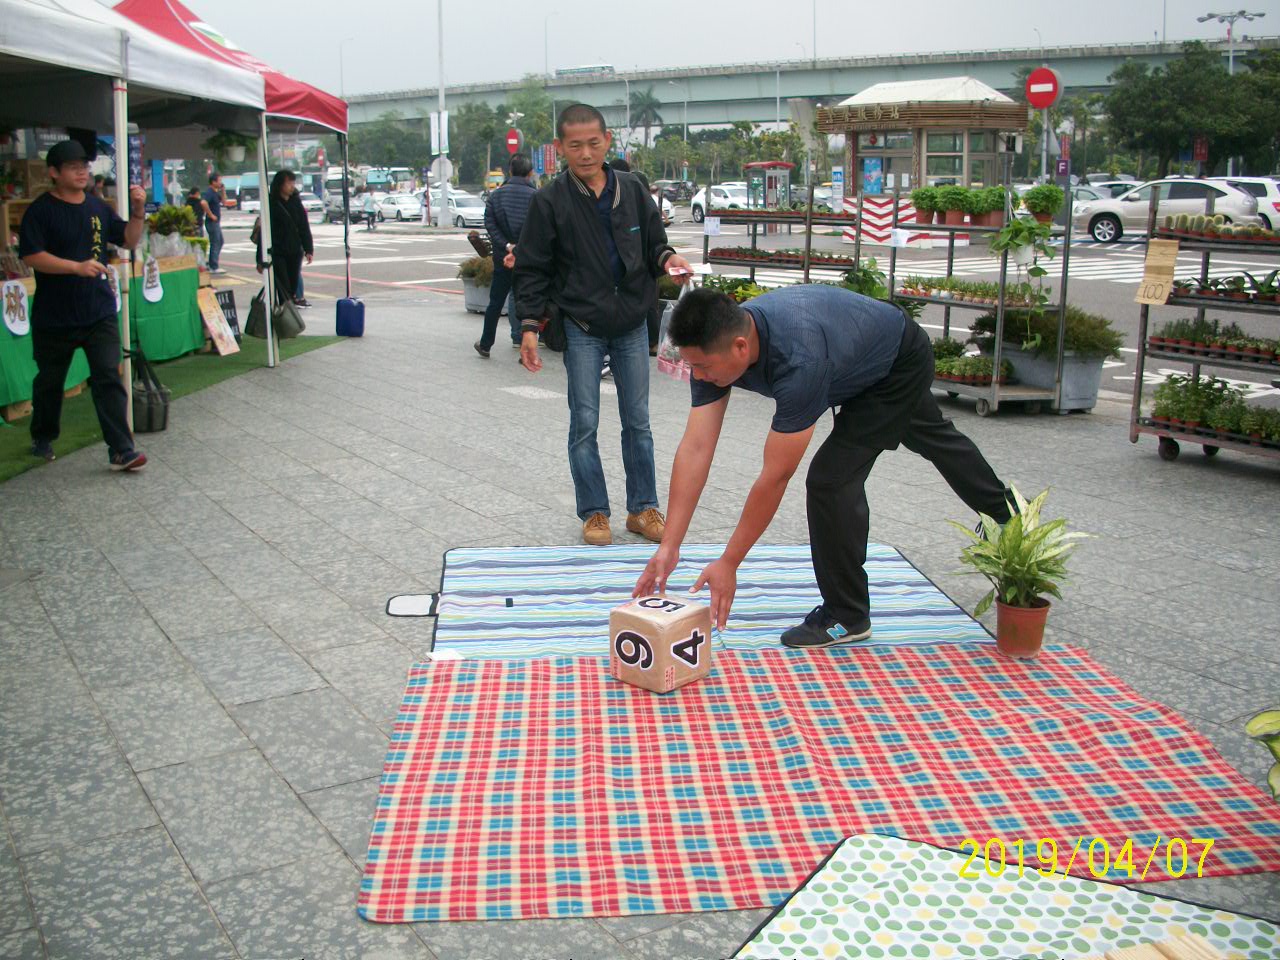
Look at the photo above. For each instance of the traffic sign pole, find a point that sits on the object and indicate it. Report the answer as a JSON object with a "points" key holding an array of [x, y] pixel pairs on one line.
{"points": [[1043, 89]]}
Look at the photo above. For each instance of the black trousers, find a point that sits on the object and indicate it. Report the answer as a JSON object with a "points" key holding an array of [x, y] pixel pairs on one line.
{"points": [[53, 350], [288, 274], [899, 409], [499, 289]]}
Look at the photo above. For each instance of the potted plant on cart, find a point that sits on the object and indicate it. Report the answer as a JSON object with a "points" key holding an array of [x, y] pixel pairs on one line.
{"points": [[1044, 201], [952, 201], [477, 275], [925, 200], [1026, 562], [229, 147]]}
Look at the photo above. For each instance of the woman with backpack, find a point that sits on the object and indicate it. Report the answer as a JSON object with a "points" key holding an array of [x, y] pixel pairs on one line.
{"points": [[290, 235]]}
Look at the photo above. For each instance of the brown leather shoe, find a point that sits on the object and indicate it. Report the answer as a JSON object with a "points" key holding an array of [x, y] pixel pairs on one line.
{"points": [[650, 524], [596, 531]]}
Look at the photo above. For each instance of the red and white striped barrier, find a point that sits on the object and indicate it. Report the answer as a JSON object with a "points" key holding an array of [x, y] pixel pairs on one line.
{"points": [[877, 223]]}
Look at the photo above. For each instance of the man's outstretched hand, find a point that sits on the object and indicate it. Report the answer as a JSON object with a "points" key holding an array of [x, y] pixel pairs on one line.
{"points": [[656, 571], [722, 577], [529, 358]]}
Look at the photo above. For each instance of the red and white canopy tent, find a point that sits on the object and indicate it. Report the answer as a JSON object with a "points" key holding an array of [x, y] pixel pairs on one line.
{"points": [[291, 104]]}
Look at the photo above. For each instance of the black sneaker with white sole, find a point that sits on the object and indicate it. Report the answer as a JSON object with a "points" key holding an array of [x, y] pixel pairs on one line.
{"points": [[820, 629], [130, 462]]}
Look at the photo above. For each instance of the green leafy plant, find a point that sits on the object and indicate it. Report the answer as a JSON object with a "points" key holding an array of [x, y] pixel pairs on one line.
{"points": [[1044, 200], [170, 219], [945, 347], [925, 199], [868, 279], [223, 140], [1025, 559], [1087, 334], [1265, 728], [952, 198], [1021, 232], [479, 270], [668, 289]]}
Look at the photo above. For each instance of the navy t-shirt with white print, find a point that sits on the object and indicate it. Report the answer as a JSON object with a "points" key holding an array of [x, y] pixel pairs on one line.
{"points": [[820, 346], [72, 231]]}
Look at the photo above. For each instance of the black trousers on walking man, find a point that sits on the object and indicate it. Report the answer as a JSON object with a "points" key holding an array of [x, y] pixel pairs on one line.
{"points": [[900, 409], [53, 349]]}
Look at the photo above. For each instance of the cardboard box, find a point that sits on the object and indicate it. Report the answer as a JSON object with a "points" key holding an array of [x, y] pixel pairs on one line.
{"points": [[660, 643]]}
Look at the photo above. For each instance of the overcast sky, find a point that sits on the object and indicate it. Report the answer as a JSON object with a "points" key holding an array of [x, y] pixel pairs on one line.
{"points": [[394, 42]]}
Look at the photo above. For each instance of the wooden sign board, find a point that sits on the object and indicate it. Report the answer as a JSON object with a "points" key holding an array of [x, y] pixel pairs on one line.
{"points": [[227, 300], [215, 323], [1157, 276]]}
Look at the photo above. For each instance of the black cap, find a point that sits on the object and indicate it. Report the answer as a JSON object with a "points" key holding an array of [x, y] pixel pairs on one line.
{"points": [[65, 151]]}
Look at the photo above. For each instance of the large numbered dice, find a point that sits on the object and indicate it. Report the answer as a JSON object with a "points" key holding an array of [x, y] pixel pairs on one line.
{"points": [[659, 643]]}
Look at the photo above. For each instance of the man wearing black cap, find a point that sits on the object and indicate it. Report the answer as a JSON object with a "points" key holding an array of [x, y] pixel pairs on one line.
{"points": [[63, 238]]}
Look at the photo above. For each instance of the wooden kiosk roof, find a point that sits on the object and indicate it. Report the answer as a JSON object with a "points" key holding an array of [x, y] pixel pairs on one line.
{"points": [[945, 102]]}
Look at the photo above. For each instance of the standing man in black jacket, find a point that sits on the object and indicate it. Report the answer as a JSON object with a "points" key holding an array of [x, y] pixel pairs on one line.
{"points": [[588, 255], [504, 217]]}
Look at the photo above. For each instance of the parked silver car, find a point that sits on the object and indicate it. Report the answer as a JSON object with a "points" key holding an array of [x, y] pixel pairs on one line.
{"points": [[1266, 190], [1108, 220]]}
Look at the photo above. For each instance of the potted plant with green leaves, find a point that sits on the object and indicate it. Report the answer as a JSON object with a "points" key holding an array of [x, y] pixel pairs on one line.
{"points": [[1031, 343], [925, 200], [228, 146], [952, 201], [1024, 239], [1026, 562], [1044, 201], [1265, 728], [477, 275]]}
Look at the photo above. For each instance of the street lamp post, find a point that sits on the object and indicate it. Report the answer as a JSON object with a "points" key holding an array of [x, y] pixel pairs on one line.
{"points": [[627, 83], [685, 85], [546, 62], [1230, 20], [444, 149], [1044, 124]]}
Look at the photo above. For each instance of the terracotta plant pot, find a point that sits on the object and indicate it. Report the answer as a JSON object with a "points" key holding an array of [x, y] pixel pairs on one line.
{"points": [[1020, 630], [954, 218], [1043, 217]]}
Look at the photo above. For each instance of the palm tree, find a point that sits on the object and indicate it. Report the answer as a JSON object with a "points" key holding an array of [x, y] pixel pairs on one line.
{"points": [[644, 111]]}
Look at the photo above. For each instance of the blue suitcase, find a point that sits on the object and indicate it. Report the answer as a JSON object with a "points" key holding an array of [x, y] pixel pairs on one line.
{"points": [[350, 317]]}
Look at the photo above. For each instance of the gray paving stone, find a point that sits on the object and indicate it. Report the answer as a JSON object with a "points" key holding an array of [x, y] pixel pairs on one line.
{"points": [[372, 675], [46, 699], [249, 665], [314, 739], [232, 815], [184, 613], [22, 945], [702, 935], [127, 896], [312, 914], [168, 720], [15, 908], [581, 939], [59, 793], [115, 654], [347, 813]]}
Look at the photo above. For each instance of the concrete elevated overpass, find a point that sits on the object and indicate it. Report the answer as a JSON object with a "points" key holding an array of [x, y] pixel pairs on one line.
{"points": [[723, 93]]}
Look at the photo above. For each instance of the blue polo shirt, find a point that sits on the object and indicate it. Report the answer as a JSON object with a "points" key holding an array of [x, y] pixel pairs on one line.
{"points": [[604, 213], [820, 346]]}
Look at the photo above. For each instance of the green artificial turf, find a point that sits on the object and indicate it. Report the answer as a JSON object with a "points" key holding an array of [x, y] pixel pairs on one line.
{"points": [[182, 376]]}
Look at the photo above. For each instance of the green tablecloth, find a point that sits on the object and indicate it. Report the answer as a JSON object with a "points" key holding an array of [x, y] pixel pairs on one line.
{"points": [[164, 330], [171, 327], [18, 369]]}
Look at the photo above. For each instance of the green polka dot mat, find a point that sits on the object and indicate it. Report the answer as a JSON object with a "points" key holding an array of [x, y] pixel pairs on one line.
{"points": [[882, 897]]}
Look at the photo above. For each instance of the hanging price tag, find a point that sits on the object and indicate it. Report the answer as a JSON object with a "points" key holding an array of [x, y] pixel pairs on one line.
{"points": [[1157, 276], [711, 226]]}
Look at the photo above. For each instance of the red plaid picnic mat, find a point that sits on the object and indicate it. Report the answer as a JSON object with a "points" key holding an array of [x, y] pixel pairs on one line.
{"points": [[544, 788]]}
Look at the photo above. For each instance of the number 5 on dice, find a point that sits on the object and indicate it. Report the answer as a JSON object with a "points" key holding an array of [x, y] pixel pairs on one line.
{"points": [[659, 643]]}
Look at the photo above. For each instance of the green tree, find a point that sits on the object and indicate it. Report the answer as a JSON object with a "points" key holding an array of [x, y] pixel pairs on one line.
{"points": [[534, 103], [1258, 93], [1161, 111], [390, 141], [473, 128], [644, 111]]}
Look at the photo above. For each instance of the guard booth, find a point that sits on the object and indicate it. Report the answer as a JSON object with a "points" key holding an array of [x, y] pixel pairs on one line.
{"points": [[768, 187], [916, 133], [768, 183]]}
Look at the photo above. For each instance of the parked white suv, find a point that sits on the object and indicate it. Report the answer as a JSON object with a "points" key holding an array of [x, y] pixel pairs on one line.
{"points": [[1108, 220], [1265, 190]]}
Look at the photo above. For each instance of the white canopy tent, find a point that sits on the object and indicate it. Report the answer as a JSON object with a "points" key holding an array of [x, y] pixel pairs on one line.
{"points": [[78, 63], [939, 90]]}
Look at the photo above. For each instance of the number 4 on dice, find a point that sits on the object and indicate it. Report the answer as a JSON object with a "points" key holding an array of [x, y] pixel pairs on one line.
{"points": [[659, 643]]}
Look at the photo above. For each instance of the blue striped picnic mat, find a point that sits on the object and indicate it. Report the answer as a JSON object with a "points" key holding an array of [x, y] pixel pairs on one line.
{"points": [[560, 598]]}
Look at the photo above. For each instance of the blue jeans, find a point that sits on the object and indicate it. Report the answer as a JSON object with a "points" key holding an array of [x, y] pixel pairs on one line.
{"points": [[499, 292], [215, 242], [629, 359]]}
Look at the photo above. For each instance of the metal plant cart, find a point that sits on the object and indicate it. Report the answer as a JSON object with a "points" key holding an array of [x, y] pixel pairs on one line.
{"points": [[1211, 440], [991, 396]]}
